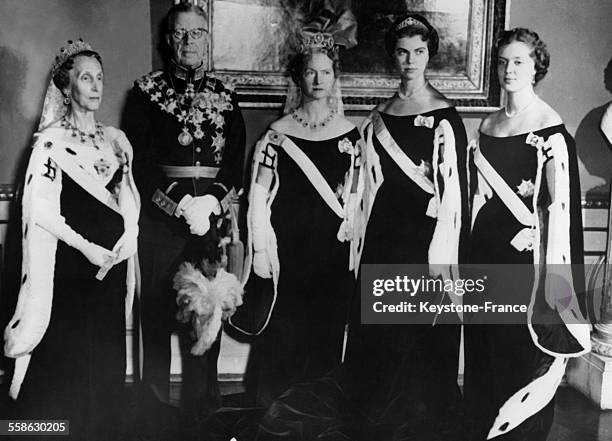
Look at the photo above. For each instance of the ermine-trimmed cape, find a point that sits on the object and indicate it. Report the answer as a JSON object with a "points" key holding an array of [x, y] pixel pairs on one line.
{"points": [[558, 230], [55, 153]]}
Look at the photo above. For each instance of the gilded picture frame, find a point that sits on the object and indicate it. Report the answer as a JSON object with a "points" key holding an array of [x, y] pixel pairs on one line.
{"points": [[250, 46]]}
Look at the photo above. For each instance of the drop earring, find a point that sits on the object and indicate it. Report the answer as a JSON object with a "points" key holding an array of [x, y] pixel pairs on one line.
{"points": [[66, 100]]}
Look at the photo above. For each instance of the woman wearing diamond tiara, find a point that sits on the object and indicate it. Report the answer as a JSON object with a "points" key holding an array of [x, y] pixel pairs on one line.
{"points": [[302, 172], [80, 214], [412, 211], [526, 210], [397, 381]]}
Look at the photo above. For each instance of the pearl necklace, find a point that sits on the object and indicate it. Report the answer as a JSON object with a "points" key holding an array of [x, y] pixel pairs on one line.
{"points": [[313, 125], [403, 96], [521, 110], [84, 136]]}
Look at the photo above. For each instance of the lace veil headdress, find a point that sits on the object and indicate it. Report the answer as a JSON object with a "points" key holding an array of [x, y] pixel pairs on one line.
{"points": [[328, 25], [54, 107]]}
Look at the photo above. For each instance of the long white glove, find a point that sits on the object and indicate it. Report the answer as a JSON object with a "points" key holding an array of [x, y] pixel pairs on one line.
{"points": [[197, 212], [56, 225], [258, 222], [127, 245], [97, 255]]}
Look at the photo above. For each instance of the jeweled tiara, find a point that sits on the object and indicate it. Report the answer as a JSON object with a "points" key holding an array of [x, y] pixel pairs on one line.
{"points": [[72, 48], [410, 21]]}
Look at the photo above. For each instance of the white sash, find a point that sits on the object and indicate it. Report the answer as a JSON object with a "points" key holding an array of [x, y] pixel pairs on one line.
{"points": [[518, 209], [66, 162], [313, 175], [401, 159]]}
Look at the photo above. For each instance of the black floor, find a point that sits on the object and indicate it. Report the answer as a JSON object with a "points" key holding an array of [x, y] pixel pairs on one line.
{"points": [[576, 419]]}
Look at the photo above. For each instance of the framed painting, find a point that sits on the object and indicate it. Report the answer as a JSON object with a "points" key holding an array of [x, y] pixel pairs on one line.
{"points": [[250, 46]]}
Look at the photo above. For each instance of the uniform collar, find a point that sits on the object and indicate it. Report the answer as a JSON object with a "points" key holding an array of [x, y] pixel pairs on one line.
{"points": [[188, 75]]}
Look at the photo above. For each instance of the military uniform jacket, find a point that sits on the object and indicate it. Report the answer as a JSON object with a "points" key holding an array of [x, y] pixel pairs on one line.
{"points": [[160, 107]]}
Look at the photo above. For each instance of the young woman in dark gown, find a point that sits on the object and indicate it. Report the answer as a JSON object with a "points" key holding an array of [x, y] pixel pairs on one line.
{"points": [[404, 377], [80, 218], [512, 371]]}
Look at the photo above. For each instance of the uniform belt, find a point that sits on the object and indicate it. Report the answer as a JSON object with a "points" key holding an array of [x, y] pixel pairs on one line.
{"points": [[175, 171]]}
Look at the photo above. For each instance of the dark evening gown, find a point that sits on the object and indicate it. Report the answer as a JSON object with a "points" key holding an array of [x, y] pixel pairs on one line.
{"points": [[77, 372], [304, 337], [502, 359], [408, 388], [398, 382]]}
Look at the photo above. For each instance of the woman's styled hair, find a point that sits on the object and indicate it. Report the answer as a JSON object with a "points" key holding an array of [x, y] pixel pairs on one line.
{"points": [[409, 25], [539, 53], [61, 77], [299, 61]]}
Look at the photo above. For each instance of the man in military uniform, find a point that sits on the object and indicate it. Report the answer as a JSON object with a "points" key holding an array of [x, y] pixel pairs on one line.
{"points": [[188, 136]]}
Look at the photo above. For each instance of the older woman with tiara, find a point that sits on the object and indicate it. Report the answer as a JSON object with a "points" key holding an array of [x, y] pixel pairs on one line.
{"points": [[302, 176], [80, 227], [526, 210]]}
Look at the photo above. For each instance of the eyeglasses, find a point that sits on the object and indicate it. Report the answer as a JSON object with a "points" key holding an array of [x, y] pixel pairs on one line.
{"points": [[195, 33]]}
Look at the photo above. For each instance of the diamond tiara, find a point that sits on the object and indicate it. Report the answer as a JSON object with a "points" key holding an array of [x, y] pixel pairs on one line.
{"points": [[72, 48], [410, 21], [316, 41]]}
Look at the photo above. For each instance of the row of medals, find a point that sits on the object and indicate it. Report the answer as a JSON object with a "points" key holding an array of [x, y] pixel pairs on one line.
{"points": [[185, 138]]}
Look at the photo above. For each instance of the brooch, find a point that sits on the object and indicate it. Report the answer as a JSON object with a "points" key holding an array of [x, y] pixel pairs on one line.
{"points": [[346, 146], [525, 189], [102, 167]]}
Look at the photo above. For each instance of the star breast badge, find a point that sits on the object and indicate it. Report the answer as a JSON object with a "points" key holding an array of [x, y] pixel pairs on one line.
{"points": [[424, 168], [525, 189]]}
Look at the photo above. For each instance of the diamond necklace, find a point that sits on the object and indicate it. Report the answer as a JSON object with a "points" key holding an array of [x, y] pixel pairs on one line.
{"points": [[313, 125], [84, 136]]}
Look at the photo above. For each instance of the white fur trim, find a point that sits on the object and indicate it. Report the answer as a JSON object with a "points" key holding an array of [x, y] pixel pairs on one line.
{"points": [[42, 227], [528, 400], [273, 138], [538, 393], [606, 123], [444, 245], [370, 180]]}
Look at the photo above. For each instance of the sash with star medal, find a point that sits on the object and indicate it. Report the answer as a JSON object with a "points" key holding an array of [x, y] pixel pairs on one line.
{"points": [[417, 173]]}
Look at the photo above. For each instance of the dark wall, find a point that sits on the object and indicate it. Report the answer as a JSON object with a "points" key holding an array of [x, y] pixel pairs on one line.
{"points": [[578, 34], [31, 33]]}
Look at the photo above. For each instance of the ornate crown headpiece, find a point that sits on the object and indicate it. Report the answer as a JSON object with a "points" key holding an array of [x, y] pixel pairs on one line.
{"points": [[328, 24], [72, 48], [410, 22], [316, 41]]}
